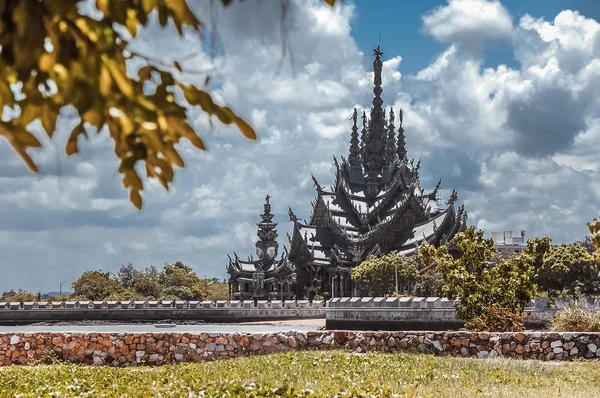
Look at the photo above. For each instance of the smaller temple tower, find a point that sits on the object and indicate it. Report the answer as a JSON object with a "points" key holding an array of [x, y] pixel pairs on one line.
{"points": [[266, 277]]}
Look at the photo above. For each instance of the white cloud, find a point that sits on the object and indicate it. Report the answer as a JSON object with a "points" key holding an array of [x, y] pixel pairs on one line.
{"points": [[470, 24]]}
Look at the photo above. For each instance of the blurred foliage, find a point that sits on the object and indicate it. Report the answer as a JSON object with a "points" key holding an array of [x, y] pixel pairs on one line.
{"points": [[53, 56], [594, 228], [484, 289], [376, 276]]}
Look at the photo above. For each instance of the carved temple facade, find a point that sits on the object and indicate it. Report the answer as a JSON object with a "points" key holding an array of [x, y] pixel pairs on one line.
{"points": [[376, 205], [266, 277]]}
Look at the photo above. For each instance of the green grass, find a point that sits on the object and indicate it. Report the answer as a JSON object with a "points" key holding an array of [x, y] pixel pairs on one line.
{"points": [[324, 373]]}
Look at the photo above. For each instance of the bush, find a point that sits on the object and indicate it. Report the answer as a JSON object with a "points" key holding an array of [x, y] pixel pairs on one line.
{"points": [[575, 319], [486, 291], [497, 319]]}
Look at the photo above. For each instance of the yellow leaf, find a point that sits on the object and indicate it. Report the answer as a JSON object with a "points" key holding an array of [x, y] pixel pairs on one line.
{"points": [[136, 199], [105, 81], [132, 22], [149, 5], [330, 2], [117, 71], [225, 115], [93, 117], [71, 147], [46, 62], [174, 157], [245, 128], [49, 117], [145, 73], [131, 179], [182, 13], [186, 131], [26, 158], [26, 138], [30, 113], [11, 131]]}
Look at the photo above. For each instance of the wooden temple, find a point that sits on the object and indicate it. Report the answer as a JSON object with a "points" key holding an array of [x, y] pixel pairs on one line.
{"points": [[376, 206]]}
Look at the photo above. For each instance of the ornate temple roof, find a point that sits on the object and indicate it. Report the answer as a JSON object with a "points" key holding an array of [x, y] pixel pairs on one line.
{"points": [[377, 204], [266, 252]]}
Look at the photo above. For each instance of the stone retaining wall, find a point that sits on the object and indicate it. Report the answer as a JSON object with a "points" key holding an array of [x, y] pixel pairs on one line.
{"points": [[130, 349]]}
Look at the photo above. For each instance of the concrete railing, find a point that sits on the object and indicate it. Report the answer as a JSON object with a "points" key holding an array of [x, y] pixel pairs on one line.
{"points": [[422, 313], [144, 311], [133, 304]]}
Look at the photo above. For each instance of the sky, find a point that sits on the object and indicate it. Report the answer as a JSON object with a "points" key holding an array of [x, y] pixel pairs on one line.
{"points": [[500, 103]]}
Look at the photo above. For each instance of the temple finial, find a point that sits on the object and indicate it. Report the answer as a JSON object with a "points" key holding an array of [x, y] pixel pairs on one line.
{"points": [[354, 156], [390, 146], [401, 140]]}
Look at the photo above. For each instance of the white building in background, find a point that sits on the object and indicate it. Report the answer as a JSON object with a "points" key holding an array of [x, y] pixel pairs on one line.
{"points": [[509, 241]]}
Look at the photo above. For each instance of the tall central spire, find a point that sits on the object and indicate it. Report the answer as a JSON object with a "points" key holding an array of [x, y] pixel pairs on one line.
{"points": [[376, 138]]}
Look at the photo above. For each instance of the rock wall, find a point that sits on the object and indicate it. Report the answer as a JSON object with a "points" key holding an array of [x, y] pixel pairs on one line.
{"points": [[130, 349]]}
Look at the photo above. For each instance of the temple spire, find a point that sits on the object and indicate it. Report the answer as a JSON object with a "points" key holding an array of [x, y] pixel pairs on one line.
{"points": [[390, 147], [401, 141], [354, 156], [363, 140], [376, 138]]}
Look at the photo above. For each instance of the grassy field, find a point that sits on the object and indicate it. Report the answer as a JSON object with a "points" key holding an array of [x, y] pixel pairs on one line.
{"points": [[313, 374]]}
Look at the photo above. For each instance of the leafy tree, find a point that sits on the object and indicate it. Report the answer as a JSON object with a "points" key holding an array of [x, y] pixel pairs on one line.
{"points": [[588, 243], [178, 293], [215, 289], [429, 285], [127, 275], [53, 56], [485, 290], [376, 276], [96, 285], [18, 296], [181, 275], [570, 270], [147, 286]]}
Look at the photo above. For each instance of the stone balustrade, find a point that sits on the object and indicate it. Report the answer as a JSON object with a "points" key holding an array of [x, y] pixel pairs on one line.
{"points": [[134, 311], [130, 349], [131, 304], [422, 313]]}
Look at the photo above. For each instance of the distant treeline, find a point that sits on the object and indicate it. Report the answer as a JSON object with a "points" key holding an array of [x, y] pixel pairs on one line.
{"points": [[174, 282]]}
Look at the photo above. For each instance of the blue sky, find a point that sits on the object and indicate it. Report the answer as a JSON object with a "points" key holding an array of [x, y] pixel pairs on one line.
{"points": [[500, 98], [399, 24]]}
